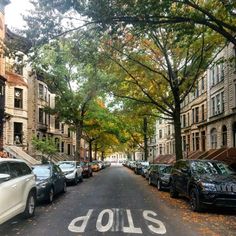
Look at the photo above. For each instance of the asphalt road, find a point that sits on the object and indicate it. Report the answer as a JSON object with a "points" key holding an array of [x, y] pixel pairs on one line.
{"points": [[113, 202]]}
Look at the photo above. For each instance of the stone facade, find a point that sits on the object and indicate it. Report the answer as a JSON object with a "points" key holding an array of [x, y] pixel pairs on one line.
{"points": [[221, 122]]}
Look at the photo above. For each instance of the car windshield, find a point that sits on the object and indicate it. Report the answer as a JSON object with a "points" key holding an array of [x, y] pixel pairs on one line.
{"points": [[207, 167], [165, 169], [42, 171], [66, 165]]}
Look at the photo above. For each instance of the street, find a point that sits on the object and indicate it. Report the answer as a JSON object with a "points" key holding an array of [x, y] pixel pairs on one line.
{"points": [[117, 202]]}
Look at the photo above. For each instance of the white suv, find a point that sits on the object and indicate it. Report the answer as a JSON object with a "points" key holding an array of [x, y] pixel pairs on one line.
{"points": [[72, 171], [17, 189]]}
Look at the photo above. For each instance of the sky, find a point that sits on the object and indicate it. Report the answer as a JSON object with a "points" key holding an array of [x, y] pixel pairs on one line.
{"points": [[14, 11]]}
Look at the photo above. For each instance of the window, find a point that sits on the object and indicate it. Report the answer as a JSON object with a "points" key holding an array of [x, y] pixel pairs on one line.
{"points": [[4, 168], [41, 91], [15, 170], [18, 133], [68, 132], [41, 115], [25, 169], [202, 85], [192, 116], [160, 133], [62, 147], [213, 138], [197, 114], [184, 120], [18, 102], [57, 123], [68, 149], [62, 128], [203, 113], [217, 104], [224, 136], [160, 147]]}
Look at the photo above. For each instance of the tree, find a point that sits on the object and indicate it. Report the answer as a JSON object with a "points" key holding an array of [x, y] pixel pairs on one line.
{"points": [[217, 15], [159, 69], [45, 146], [74, 81]]}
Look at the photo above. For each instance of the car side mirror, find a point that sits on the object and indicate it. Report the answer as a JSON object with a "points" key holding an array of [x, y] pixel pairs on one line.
{"points": [[4, 177]]}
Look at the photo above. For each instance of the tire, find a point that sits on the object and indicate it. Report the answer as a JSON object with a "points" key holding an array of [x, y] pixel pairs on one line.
{"points": [[76, 180], [81, 178], [173, 191], [51, 195], [159, 185], [64, 188], [195, 204], [30, 205]]}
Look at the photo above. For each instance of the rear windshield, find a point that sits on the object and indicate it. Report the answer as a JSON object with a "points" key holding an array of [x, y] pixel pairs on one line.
{"points": [[42, 171], [207, 167], [66, 165]]}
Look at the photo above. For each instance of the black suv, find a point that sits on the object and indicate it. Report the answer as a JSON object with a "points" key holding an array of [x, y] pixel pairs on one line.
{"points": [[204, 182]]}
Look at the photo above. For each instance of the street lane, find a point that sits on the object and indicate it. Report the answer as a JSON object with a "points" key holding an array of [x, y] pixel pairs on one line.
{"points": [[113, 202]]}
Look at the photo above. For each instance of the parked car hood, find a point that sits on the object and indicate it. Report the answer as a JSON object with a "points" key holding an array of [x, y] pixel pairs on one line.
{"points": [[41, 180], [217, 179]]}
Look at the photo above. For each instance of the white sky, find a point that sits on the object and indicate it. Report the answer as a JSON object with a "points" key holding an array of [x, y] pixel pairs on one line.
{"points": [[14, 11]]}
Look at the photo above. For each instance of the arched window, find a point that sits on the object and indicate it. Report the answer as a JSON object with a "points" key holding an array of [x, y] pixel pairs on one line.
{"points": [[213, 138], [224, 136]]}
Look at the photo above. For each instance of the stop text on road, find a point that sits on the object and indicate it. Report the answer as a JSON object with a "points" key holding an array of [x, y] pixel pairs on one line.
{"points": [[118, 220]]}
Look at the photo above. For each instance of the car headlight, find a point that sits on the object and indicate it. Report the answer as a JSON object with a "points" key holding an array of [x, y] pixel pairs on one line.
{"points": [[42, 185], [208, 187]]}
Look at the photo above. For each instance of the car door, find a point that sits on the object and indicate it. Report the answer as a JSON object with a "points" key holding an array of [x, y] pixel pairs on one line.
{"points": [[60, 178], [183, 177], [8, 190]]}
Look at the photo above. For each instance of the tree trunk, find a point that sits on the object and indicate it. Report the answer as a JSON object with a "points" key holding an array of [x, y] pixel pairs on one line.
{"points": [[177, 127], [103, 155], [78, 142], [95, 151], [90, 151], [145, 138]]}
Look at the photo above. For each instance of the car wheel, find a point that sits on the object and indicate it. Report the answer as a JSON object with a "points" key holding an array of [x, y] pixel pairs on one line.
{"points": [[30, 205], [64, 187], [91, 174], [76, 179], [159, 185], [173, 191], [51, 195], [81, 178], [149, 181], [194, 200]]}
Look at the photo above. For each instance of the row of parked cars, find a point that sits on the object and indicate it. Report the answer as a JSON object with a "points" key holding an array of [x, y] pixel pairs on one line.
{"points": [[205, 183], [21, 186]]}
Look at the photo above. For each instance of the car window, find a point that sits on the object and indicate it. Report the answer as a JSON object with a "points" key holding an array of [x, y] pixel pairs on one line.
{"points": [[4, 168], [15, 169], [25, 169], [207, 167], [67, 165], [57, 169]]}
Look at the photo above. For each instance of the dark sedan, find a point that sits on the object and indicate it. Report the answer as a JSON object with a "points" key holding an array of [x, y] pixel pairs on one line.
{"points": [[50, 181], [159, 175]]}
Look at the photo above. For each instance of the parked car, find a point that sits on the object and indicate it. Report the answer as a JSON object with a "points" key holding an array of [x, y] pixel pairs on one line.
{"points": [[87, 170], [139, 167], [145, 169], [72, 171], [149, 168], [95, 167], [159, 175], [50, 181], [204, 182], [17, 189]]}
